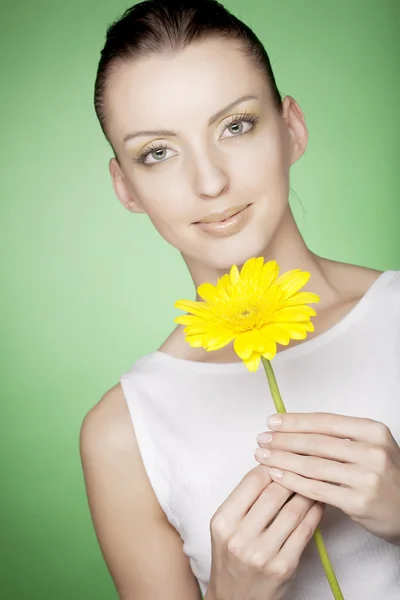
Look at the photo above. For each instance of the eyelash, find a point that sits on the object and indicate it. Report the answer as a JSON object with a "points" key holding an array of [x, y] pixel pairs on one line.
{"points": [[149, 149], [245, 116]]}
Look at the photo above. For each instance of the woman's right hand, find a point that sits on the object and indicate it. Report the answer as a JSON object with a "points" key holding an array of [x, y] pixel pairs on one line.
{"points": [[258, 536]]}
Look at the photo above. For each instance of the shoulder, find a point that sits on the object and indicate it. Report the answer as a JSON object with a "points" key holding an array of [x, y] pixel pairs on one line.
{"points": [[109, 448], [108, 420], [354, 282], [107, 436], [351, 281]]}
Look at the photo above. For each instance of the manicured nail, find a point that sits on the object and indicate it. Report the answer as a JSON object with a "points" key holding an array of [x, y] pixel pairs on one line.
{"points": [[264, 438], [262, 453], [276, 473], [274, 421]]}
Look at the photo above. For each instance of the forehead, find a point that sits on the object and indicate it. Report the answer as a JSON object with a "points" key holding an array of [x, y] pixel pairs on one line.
{"points": [[165, 90]]}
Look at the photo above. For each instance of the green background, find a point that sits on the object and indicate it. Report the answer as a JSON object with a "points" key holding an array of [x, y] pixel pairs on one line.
{"points": [[88, 287]]}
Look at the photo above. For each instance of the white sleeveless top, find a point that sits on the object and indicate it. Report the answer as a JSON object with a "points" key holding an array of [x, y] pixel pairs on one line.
{"points": [[197, 423]]}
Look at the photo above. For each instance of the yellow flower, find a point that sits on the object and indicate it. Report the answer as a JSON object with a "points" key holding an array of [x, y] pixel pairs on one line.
{"points": [[255, 308]]}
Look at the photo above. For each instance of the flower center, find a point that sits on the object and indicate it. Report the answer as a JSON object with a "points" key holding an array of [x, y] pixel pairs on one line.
{"points": [[248, 316]]}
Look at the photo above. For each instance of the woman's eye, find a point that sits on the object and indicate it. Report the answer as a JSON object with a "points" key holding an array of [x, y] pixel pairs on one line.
{"points": [[156, 155], [238, 127]]}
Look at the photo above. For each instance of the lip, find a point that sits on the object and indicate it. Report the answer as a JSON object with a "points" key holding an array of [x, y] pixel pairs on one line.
{"points": [[234, 223], [219, 217]]}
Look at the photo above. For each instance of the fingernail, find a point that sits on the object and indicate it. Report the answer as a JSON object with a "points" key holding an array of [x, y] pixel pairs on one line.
{"points": [[262, 453], [276, 473], [274, 421], [264, 438]]}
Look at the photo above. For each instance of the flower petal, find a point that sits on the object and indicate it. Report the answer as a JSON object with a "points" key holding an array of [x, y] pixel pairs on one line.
{"points": [[265, 344], [253, 341], [292, 281], [224, 287], [276, 332], [253, 362], [196, 329], [252, 269], [201, 309], [243, 345], [219, 342], [258, 268], [298, 331], [301, 298], [269, 355], [188, 320], [269, 273], [196, 341], [234, 275], [213, 336], [247, 269], [294, 313], [208, 292]]}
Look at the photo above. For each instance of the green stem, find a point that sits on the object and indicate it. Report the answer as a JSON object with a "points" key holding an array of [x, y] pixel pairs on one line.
{"points": [[326, 563]]}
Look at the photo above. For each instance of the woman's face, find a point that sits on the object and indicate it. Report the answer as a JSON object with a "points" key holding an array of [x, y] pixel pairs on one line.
{"points": [[196, 135]]}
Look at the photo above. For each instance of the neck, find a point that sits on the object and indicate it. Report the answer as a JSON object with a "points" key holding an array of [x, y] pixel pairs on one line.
{"points": [[290, 251]]}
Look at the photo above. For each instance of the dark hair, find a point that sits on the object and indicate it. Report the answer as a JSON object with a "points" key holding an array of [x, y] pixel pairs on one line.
{"points": [[155, 26]]}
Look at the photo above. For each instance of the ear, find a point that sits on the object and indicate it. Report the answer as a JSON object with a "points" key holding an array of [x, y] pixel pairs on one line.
{"points": [[298, 135], [121, 188]]}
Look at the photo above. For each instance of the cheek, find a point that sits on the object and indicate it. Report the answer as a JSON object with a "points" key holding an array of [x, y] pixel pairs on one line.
{"points": [[166, 204], [165, 216], [163, 208], [262, 168], [161, 197]]}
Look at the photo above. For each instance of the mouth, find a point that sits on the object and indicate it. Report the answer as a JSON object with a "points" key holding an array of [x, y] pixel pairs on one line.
{"points": [[224, 216], [227, 223]]}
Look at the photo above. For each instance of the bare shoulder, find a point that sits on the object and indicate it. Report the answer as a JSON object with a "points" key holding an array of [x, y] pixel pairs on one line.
{"points": [[352, 281], [108, 418], [143, 552]]}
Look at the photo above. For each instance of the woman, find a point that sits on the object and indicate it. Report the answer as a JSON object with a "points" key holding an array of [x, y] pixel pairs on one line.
{"points": [[203, 145]]}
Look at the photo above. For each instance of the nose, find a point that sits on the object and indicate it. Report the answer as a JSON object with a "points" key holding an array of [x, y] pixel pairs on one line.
{"points": [[210, 178]]}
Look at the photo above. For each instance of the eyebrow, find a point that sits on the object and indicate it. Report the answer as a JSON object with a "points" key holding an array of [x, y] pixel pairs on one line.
{"points": [[212, 119]]}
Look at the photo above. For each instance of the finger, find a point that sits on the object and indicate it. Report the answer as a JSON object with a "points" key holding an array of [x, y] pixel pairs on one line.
{"points": [[294, 546], [264, 510], [285, 523], [311, 466], [239, 501], [355, 428], [321, 491], [315, 444]]}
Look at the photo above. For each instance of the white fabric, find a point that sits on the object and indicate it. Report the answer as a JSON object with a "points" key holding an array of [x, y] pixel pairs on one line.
{"points": [[197, 423]]}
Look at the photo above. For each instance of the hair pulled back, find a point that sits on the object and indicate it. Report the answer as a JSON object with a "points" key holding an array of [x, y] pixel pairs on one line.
{"points": [[159, 26]]}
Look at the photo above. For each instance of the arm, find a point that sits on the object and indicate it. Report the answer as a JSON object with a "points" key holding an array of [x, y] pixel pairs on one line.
{"points": [[143, 552]]}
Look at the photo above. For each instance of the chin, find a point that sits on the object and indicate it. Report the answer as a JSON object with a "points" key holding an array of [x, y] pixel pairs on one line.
{"points": [[235, 250], [251, 241]]}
